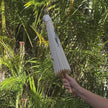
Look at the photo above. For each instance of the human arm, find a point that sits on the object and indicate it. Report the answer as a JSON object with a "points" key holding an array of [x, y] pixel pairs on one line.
{"points": [[94, 100]]}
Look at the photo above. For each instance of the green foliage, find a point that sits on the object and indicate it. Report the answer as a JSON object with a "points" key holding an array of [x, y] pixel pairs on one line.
{"points": [[29, 77]]}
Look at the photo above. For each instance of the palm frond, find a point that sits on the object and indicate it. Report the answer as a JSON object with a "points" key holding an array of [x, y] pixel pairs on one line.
{"points": [[41, 39], [26, 32], [14, 83]]}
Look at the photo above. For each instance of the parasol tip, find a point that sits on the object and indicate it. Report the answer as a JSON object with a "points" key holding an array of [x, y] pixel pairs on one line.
{"points": [[46, 18]]}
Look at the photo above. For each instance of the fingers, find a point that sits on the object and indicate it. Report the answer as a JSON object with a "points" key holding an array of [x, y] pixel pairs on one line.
{"points": [[66, 83], [70, 84], [66, 76], [65, 80], [63, 75], [67, 86]]}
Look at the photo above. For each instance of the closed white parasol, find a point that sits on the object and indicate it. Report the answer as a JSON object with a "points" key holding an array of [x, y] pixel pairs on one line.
{"points": [[60, 62]]}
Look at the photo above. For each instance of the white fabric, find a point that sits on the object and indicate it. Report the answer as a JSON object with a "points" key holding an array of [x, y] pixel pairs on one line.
{"points": [[60, 62]]}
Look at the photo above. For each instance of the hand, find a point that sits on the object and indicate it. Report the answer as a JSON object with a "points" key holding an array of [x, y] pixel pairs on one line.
{"points": [[94, 100], [70, 84]]}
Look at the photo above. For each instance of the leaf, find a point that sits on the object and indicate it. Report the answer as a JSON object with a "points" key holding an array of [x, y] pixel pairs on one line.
{"points": [[51, 7], [13, 83], [26, 32], [28, 4], [41, 39]]}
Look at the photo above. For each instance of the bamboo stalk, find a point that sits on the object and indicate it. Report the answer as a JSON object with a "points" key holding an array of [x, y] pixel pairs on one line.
{"points": [[22, 54], [3, 17]]}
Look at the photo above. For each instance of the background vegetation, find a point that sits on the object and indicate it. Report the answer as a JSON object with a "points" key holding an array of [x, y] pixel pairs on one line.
{"points": [[26, 72]]}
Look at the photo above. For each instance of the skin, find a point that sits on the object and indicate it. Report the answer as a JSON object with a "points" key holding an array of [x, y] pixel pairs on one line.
{"points": [[94, 100]]}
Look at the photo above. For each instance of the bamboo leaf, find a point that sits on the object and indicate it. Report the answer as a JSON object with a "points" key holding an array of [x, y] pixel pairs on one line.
{"points": [[41, 39], [28, 4], [26, 32]]}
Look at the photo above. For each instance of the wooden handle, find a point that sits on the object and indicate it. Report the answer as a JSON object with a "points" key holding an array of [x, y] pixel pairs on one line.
{"points": [[70, 91]]}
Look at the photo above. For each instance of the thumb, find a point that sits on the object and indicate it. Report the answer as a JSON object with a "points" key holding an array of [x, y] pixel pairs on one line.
{"points": [[68, 77]]}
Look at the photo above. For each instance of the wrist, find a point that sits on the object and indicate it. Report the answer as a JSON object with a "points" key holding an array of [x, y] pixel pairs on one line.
{"points": [[80, 91]]}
